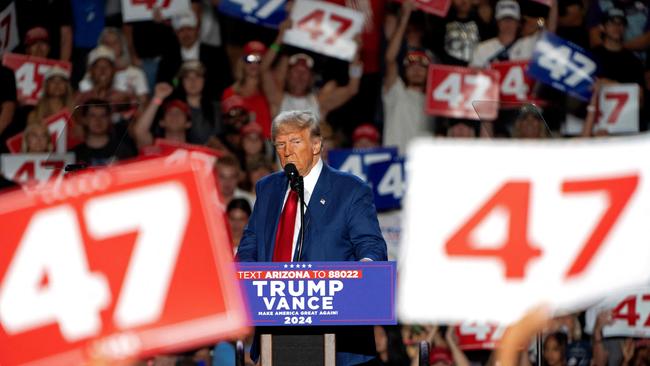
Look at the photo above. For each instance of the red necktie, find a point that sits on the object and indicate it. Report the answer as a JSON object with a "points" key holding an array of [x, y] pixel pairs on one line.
{"points": [[284, 235]]}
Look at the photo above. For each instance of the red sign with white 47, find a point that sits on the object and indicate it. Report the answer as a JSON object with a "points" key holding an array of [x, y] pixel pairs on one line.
{"points": [[474, 336], [30, 74], [452, 92], [520, 224], [115, 264], [515, 85]]}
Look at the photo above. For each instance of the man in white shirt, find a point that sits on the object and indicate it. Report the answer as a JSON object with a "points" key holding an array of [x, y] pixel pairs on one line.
{"points": [[505, 46]]}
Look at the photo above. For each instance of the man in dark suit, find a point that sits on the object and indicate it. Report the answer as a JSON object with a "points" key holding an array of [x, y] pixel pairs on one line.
{"points": [[340, 218]]}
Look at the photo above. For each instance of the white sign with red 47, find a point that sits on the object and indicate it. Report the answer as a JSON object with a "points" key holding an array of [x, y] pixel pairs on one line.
{"points": [[8, 28], [630, 314], [518, 224], [618, 107], [325, 28], [138, 10], [27, 168]]}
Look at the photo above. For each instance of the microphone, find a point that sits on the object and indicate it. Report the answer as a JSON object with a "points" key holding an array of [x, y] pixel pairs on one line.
{"points": [[295, 180]]}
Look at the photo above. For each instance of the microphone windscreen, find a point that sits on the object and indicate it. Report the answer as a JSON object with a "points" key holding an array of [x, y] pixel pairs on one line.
{"points": [[291, 171]]}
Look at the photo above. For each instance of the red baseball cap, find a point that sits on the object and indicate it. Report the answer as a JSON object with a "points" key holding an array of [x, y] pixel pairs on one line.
{"points": [[251, 128], [254, 48], [365, 130], [421, 57], [232, 102], [440, 354], [177, 103], [36, 34]]}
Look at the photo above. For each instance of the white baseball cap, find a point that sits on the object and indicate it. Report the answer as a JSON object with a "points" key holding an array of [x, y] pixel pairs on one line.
{"points": [[187, 19], [507, 9], [101, 52]]}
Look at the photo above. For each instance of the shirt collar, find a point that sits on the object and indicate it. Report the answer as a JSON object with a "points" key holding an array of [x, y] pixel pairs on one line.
{"points": [[312, 177]]}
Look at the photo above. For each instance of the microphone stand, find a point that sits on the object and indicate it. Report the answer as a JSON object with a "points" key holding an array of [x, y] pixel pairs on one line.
{"points": [[298, 186]]}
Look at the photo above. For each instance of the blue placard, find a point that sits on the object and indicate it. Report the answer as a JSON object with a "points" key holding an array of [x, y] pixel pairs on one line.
{"points": [[319, 293], [358, 161], [563, 65], [267, 13], [388, 181]]}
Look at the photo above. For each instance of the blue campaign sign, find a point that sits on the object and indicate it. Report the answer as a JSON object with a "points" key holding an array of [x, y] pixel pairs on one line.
{"points": [[319, 293], [388, 183], [358, 161], [267, 13], [563, 65]]}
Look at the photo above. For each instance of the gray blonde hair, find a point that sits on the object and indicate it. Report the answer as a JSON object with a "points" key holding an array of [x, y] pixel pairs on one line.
{"points": [[299, 120]]}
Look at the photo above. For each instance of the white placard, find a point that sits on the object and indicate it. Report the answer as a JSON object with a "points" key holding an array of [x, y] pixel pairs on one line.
{"points": [[325, 28], [618, 105], [493, 229], [26, 168], [8, 29], [139, 10], [631, 314]]}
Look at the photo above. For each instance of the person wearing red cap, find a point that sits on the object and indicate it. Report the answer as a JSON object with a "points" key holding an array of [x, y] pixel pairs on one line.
{"points": [[404, 117], [37, 42], [248, 85], [175, 122], [290, 86], [55, 16], [365, 136]]}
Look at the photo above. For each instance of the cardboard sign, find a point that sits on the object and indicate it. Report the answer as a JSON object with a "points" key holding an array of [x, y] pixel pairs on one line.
{"points": [[139, 10], [515, 85], [30, 74], [435, 7], [8, 28], [630, 312], [119, 263], [476, 336], [30, 168], [267, 13], [325, 28], [163, 147], [534, 222], [60, 126], [358, 161], [452, 90], [388, 181], [618, 107], [563, 65], [320, 293]]}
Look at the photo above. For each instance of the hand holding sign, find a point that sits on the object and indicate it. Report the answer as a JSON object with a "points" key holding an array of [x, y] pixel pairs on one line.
{"points": [[325, 28], [618, 105], [530, 232]]}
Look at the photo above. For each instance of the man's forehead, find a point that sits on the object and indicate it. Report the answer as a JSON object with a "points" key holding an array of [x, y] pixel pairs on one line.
{"points": [[288, 131]]}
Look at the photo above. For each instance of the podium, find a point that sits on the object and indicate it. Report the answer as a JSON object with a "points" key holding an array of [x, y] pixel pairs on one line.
{"points": [[299, 307]]}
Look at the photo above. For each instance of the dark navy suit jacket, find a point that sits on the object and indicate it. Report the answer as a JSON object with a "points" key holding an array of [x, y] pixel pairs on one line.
{"points": [[340, 225]]}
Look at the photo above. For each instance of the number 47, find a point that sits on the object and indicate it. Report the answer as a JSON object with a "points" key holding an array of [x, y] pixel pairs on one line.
{"points": [[517, 251]]}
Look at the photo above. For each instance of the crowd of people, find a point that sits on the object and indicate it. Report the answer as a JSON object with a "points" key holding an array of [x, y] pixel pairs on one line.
{"points": [[206, 79]]}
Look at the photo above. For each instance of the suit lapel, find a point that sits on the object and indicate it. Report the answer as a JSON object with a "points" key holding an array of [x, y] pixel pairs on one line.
{"points": [[275, 211], [317, 203]]}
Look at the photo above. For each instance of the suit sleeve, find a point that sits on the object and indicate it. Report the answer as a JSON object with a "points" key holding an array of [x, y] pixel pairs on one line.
{"points": [[247, 249], [363, 227]]}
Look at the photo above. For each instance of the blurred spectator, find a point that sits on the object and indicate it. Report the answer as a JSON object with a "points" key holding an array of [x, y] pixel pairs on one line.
{"points": [[229, 175], [175, 120], [331, 139], [248, 85], [253, 145], [390, 346], [101, 71], [463, 128], [238, 211], [206, 119], [57, 96], [148, 42], [455, 37], [88, 23], [570, 22], [505, 46], [615, 62], [538, 16], [235, 115], [37, 42], [256, 170], [128, 78], [217, 69], [555, 345], [103, 144], [290, 86], [365, 136], [53, 15], [8, 103], [635, 12], [529, 125], [404, 117], [36, 139]]}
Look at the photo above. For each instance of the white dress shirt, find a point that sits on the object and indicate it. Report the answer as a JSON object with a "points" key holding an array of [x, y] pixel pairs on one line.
{"points": [[310, 184]]}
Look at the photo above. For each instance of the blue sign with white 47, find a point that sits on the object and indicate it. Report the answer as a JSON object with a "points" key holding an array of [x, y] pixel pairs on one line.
{"points": [[563, 65], [388, 183], [267, 13]]}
